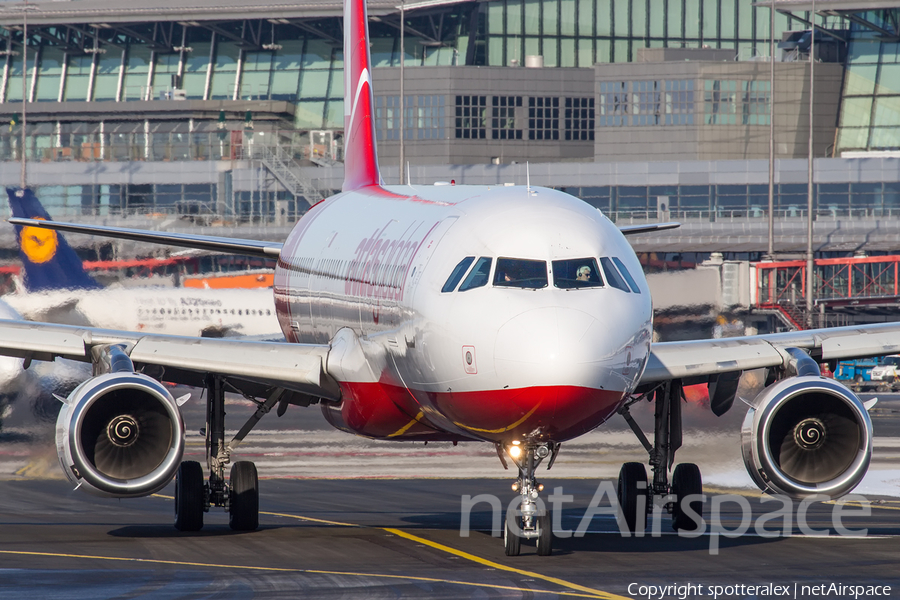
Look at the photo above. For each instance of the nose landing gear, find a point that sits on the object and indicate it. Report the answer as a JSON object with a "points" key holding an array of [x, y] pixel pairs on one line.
{"points": [[528, 517]]}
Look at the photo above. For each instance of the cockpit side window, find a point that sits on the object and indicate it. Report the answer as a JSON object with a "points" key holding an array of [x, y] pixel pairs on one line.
{"points": [[631, 282], [479, 275], [612, 275], [576, 273], [520, 273], [457, 274]]}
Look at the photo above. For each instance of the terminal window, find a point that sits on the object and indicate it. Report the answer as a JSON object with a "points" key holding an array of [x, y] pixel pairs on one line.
{"points": [[755, 102], [679, 102], [646, 96], [387, 117], [579, 117], [720, 102], [503, 117], [470, 117], [543, 118], [430, 118], [613, 104]]}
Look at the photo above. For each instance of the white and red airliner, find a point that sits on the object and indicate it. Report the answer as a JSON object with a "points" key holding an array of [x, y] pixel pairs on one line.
{"points": [[516, 316]]}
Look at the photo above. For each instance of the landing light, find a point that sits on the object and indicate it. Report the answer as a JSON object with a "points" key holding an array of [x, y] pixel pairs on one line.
{"points": [[515, 451]]}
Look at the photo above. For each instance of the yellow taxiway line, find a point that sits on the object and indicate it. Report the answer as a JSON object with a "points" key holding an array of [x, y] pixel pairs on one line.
{"points": [[584, 591], [178, 563]]}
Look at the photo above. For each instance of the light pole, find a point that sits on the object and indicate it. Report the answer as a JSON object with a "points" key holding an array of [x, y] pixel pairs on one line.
{"points": [[810, 275], [402, 99], [771, 252], [25, 7]]}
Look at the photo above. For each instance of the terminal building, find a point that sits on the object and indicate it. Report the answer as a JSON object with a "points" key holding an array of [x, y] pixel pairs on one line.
{"points": [[196, 113]]}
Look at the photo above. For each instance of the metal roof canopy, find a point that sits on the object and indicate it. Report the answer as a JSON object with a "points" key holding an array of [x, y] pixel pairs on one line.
{"points": [[828, 6], [101, 12], [189, 12]]}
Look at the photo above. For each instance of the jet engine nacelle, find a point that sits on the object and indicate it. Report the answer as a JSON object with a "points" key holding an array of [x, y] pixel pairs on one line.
{"points": [[121, 435], [806, 436]]}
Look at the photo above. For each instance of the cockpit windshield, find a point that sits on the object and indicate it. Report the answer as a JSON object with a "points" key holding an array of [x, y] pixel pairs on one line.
{"points": [[576, 273], [631, 282], [520, 273], [612, 275], [457, 274], [478, 276]]}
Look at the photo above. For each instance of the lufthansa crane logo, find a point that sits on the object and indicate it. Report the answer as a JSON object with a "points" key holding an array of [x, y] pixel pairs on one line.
{"points": [[38, 244]]}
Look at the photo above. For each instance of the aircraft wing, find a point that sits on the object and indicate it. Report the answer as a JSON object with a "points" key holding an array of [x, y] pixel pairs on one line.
{"points": [[184, 240], [699, 358], [632, 229], [296, 367]]}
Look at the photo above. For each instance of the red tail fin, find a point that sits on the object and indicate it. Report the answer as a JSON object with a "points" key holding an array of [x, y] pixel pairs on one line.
{"points": [[360, 158]]}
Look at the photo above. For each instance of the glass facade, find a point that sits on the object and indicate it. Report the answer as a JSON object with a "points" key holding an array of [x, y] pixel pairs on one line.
{"points": [[197, 202], [579, 33], [870, 106], [304, 65], [743, 201]]}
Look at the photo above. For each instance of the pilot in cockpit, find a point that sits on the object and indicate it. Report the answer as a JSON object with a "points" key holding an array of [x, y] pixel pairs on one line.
{"points": [[583, 273]]}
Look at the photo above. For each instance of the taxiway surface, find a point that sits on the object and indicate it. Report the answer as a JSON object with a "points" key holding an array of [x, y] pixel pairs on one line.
{"points": [[349, 518]]}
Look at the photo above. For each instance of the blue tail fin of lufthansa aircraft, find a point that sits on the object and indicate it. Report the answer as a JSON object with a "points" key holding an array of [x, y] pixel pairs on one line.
{"points": [[49, 261]]}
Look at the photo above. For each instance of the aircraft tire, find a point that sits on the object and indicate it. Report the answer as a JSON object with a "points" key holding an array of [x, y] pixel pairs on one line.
{"points": [[512, 542], [686, 481], [629, 490], [243, 514], [545, 540], [189, 496]]}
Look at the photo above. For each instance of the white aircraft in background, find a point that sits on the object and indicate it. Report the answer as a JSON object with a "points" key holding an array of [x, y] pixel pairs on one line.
{"points": [[516, 316], [57, 289], [27, 394]]}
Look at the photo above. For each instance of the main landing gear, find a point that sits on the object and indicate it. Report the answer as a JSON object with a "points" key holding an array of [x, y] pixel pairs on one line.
{"points": [[528, 518], [682, 496], [240, 493]]}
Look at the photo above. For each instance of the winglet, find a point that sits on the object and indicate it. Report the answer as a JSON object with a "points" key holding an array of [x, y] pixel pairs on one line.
{"points": [[360, 156]]}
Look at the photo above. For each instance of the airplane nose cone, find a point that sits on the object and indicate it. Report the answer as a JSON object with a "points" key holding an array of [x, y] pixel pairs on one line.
{"points": [[553, 346]]}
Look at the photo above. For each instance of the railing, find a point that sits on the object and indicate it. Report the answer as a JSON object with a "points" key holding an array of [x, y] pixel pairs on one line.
{"points": [[856, 281], [281, 164], [627, 217], [835, 279], [161, 146]]}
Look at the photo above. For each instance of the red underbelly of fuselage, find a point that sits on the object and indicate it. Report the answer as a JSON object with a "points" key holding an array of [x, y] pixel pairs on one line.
{"points": [[549, 413]]}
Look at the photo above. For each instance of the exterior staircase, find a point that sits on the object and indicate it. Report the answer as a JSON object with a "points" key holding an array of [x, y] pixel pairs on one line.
{"points": [[282, 166], [792, 315]]}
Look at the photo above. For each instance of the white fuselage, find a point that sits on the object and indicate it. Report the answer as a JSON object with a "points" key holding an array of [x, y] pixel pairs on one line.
{"points": [[491, 362], [174, 311]]}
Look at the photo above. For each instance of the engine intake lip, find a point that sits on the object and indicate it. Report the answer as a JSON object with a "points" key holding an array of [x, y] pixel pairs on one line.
{"points": [[121, 433], [809, 435]]}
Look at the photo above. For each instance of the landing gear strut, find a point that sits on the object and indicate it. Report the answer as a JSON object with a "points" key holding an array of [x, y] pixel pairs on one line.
{"points": [[239, 495], [530, 518], [635, 494]]}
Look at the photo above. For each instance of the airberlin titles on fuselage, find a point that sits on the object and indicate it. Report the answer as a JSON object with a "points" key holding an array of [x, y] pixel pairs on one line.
{"points": [[380, 263]]}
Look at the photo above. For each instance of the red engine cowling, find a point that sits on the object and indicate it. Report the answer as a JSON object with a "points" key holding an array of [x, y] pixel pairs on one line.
{"points": [[807, 436]]}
